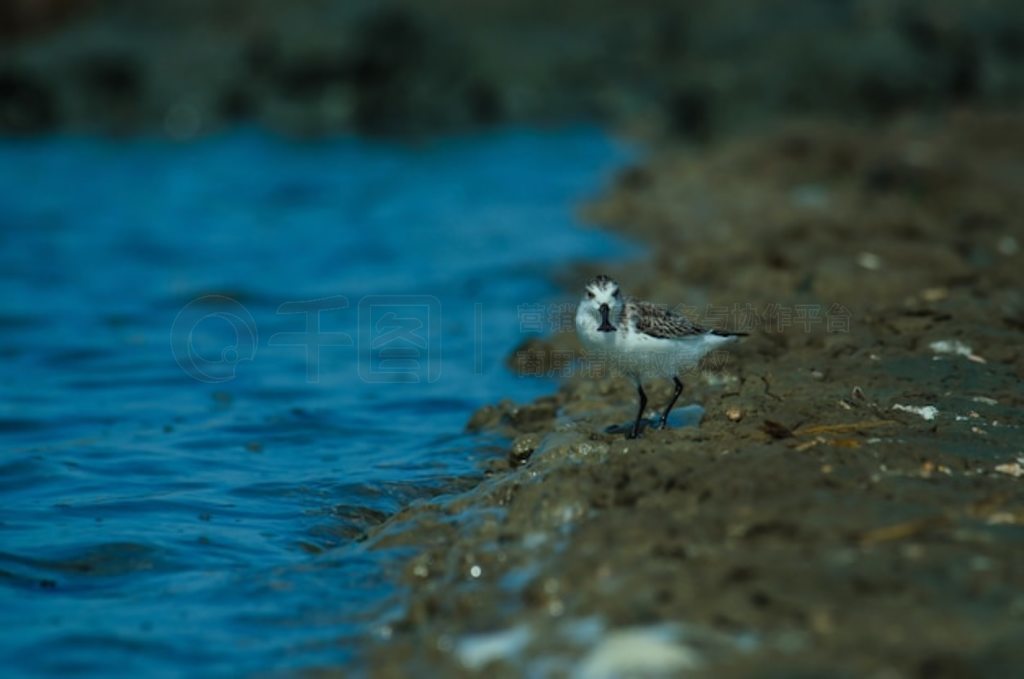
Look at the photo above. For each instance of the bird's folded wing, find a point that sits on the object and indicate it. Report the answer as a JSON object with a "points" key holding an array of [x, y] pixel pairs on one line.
{"points": [[658, 321]]}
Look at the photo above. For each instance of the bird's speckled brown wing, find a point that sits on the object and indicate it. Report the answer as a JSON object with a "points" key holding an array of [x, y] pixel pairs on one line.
{"points": [[659, 321]]}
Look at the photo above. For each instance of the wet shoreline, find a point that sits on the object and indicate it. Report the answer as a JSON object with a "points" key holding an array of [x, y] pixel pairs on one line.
{"points": [[186, 472], [852, 497]]}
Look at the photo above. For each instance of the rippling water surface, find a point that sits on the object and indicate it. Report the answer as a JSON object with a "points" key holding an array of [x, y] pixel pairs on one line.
{"points": [[221, 361]]}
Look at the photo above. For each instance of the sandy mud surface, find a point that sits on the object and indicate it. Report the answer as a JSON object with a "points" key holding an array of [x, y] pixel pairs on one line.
{"points": [[854, 495]]}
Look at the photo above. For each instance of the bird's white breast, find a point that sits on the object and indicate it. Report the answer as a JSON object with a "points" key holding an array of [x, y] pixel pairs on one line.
{"points": [[592, 339]]}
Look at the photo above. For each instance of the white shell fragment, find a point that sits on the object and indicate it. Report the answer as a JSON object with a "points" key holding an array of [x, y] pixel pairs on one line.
{"points": [[476, 651], [927, 412], [956, 348], [869, 261], [637, 652], [1013, 469]]}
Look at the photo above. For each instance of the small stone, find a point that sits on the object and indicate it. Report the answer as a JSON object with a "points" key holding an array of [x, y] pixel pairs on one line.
{"points": [[1001, 518], [869, 261], [776, 430], [522, 449], [1013, 469], [1008, 246], [956, 348], [734, 414], [928, 413]]}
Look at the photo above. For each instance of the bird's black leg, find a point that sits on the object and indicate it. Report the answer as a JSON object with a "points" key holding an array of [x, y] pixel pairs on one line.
{"points": [[671, 404], [639, 413]]}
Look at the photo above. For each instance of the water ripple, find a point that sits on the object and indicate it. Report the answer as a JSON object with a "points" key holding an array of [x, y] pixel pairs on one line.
{"points": [[186, 478]]}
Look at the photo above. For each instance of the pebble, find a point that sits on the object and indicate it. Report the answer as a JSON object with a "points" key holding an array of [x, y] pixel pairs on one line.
{"points": [[869, 261], [1013, 469], [1008, 246], [522, 449], [934, 294], [956, 348], [927, 412]]}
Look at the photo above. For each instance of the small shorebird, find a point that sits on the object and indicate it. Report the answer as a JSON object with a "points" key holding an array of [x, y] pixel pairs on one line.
{"points": [[642, 340]]}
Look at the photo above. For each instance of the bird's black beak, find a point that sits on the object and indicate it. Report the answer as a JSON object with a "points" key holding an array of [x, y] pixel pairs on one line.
{"points": [[605, 325]]}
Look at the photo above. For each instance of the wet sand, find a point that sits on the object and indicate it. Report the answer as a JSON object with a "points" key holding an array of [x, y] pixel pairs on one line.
{"points": [[851, 503]]}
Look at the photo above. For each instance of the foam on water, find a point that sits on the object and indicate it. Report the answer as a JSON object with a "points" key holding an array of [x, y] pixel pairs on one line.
{"points": [[183, 473]]}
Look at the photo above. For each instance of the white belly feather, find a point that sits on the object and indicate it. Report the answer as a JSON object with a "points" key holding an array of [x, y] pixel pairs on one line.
{"points": [[643, 357]]}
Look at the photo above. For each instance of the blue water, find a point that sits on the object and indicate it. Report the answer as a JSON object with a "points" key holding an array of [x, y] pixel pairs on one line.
{"points": [[220, 362]]}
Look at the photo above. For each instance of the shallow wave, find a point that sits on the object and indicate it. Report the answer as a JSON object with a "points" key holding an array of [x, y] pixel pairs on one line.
{"points": [[167, 512]]}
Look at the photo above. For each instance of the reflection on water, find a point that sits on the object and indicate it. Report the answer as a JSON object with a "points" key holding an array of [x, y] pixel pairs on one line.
{"points": [[221, 361]]}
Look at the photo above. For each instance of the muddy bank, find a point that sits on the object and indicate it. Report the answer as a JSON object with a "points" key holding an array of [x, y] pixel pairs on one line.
{"points": [[852, 498], [403, 67]]}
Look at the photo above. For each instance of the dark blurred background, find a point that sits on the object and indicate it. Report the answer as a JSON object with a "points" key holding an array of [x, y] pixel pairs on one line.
{"points": [[311, 67]]}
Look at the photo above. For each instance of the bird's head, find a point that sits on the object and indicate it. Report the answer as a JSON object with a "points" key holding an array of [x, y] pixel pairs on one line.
{"points": [[602, 298]]}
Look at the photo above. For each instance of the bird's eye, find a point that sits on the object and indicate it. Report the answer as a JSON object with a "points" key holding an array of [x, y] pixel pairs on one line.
{"points": [[590, 295]]}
